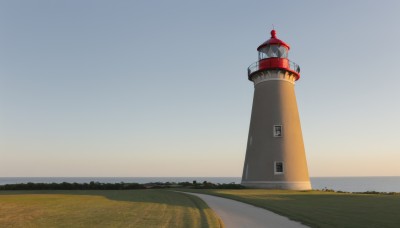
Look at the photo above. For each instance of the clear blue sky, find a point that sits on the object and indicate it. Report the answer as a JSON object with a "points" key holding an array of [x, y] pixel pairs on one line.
{"points": [[159, 88]]}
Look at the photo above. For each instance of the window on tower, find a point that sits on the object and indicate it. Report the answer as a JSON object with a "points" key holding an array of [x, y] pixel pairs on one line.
{"points": [[278, 168], [277, 131]]}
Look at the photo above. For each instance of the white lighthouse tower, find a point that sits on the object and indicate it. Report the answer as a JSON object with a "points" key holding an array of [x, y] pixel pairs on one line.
{"points": [[275, 156]]}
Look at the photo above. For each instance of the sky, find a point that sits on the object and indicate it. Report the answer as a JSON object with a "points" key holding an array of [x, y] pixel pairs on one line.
{"points": [[159, 88]]}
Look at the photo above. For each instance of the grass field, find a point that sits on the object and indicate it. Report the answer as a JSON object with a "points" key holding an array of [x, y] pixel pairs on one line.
{"points": [[109, 208], [163, 208], [323, 209]]}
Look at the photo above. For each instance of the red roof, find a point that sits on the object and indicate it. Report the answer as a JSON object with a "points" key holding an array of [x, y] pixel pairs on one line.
{"points": [[272, 41]]}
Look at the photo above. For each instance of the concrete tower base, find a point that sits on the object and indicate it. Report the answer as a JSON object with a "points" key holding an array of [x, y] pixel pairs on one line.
{"points": [[300, 185]]}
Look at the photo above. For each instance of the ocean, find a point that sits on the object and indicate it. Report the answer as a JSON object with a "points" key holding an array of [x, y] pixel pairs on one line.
{"points": [[348, 184]]}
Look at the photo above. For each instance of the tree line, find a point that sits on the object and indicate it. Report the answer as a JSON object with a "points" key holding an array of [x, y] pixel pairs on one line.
{"points": [[116, 186]]}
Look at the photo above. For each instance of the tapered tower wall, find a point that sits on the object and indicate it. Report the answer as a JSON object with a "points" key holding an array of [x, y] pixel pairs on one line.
{"points": [[274, 104]]}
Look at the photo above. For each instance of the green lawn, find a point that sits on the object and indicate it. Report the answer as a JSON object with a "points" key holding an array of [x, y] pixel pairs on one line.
{"points": [[109, 208], [322, 209]]}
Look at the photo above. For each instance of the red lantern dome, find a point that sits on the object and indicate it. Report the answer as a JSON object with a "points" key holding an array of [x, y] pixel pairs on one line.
{"points": [[273, 41]]}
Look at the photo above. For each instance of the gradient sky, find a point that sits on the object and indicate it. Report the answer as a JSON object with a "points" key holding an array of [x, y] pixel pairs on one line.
{"points": [[159, 88]]}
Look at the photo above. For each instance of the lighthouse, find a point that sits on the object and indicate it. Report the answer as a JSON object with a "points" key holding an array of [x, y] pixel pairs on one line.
{"points": [[275, 155]]}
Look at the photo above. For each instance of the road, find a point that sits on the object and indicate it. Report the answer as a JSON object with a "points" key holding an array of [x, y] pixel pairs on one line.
{"points": [[236, 214]]}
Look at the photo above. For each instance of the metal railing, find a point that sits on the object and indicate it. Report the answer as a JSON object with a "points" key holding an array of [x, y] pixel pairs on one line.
{"points": [[256, 66]]}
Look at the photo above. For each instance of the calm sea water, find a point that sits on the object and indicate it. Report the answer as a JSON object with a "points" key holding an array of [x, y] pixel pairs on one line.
{"points": [[349, 184]]}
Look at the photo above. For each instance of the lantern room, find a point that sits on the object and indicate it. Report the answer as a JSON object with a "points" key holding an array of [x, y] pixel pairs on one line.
{"points": [[273, 48], [273, 54], [273, 51]]}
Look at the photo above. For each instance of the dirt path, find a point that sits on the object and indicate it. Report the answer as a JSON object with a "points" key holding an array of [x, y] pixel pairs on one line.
{"points": [[237, 214]]}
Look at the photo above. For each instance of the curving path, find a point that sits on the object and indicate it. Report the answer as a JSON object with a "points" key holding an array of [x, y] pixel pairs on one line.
{"points": [[237, 214]]}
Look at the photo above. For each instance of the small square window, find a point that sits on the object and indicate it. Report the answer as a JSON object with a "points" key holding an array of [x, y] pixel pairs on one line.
{"points": [[277, 130], [278, 168]]}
